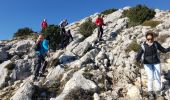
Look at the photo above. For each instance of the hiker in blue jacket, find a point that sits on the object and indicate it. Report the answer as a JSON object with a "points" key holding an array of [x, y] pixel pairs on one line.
{"points": [[41, 48], [149, 54]]}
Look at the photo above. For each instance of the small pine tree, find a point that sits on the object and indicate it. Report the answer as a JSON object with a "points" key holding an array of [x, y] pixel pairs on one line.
{"points": [[53, 31], [23, 32], [87, 28], [139, 14]]}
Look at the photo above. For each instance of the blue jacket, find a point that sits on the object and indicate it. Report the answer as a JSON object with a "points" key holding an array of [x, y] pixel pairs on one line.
{"points": [[43, 48]]}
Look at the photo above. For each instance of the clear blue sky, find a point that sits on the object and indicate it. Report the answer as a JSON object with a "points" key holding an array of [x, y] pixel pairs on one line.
{"points": [[15, 14]]}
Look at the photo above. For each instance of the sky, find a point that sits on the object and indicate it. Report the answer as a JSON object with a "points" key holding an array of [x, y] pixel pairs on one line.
{"points": [[15, 14]]}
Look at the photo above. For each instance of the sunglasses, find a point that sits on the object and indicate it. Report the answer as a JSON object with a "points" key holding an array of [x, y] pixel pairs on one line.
{"points": [[150, 39]]}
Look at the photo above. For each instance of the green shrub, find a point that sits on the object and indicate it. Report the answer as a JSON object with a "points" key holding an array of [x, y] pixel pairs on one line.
{"points": [[87, 28], [151, 23], [139, 14], [109, 11], [23, 33], [133, 46], [53, 31]]}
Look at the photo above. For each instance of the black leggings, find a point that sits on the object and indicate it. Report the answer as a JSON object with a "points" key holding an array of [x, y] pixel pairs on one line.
{"points": [[100, 32]]}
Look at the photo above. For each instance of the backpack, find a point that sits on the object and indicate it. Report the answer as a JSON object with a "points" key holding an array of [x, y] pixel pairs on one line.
{"points": [[143, 48], [37, 46]]}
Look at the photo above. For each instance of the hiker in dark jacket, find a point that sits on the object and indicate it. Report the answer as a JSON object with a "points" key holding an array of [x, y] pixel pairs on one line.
{"points": [[67, 38], [62, 25], [149, 53], [41, 48], [100, 24]]}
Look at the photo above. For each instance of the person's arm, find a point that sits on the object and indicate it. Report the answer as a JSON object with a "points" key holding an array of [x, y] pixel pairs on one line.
{"points": [[139, 54], [103, 23], [66, 23], [42, 25], [46, 24], [162, 49], [71, 36], [97, 21], [61, 23]]}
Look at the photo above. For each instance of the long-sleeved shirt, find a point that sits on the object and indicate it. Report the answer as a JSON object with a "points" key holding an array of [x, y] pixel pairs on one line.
{"points": [[150, 54], [99, 22]]}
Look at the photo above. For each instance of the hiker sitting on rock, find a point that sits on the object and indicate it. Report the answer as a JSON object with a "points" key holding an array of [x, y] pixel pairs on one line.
{"points": [[41, 48], [149, 54], [100, 24]]}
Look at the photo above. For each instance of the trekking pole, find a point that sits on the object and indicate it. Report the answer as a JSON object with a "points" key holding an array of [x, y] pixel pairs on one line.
{"points": [[141, 91]]}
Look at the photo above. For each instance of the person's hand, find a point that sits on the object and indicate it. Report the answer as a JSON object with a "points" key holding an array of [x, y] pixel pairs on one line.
{"points": [[137, 63], [48, 54]]}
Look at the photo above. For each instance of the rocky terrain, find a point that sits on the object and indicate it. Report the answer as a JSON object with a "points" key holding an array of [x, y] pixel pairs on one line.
{"points": [[86, 69]]}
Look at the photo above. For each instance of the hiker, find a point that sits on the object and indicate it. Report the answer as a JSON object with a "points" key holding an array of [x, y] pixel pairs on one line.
{"points": [[67, 37], [62, 25], [41, 48], [44, 24], [100, 24], [149, 54]]}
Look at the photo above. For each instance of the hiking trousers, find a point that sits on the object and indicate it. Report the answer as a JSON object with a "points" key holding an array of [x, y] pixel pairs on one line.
{"points": [[154, 73], [40, 65], [100, 31], [62, 35]]}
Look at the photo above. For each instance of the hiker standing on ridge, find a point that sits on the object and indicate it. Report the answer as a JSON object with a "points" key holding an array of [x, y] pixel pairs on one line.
{"points": [[149, 54], [41, 48], [67, 37], [44, 24], [62, 25], [100, 24]]}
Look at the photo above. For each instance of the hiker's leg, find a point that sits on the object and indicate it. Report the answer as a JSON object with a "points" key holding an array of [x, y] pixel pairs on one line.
{"points": [[38, 66], [64, 31], [43, 66], [98, 31], [157, 77], [67, 40], [149, 71], [101, 32], [63, 38]]}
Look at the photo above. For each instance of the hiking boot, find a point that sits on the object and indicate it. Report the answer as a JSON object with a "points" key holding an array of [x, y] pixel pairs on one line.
{"points": [[41, 74], [100, 39], [158, 93], [34, 78], [151, 95]]}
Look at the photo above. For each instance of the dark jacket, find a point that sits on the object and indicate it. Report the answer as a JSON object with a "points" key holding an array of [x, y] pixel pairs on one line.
{"points": [[151, 54], [63, 24]]}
